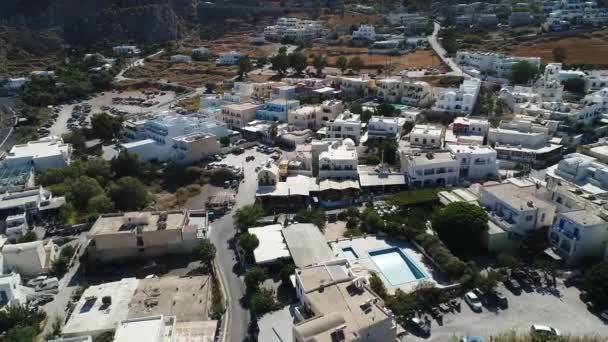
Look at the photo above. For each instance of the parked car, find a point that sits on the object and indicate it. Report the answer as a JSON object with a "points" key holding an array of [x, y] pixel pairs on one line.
{"points": [[499, 298], [36, 281], [419, 326], [514, 286], [226, 184], [543, 330], [473, 301], [472, 339], [239, 150], [48, 284], [480, 294], [535, 277]]}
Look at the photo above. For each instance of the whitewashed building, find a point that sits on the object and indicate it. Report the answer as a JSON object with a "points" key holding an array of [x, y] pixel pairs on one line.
{"points": [[229, 58], [339, 162], [430, 169], [277, 110], [426, 136], [46, 153], [495, 64], [180, 59], [476, 162], [355, 85], [580, 234], [404, 90], [294, 29], [346, 125], [458, 100], [126, 50], [315, 117], [365, 33], [239, 115], [381, 127], [194, 147], [582, 171]]}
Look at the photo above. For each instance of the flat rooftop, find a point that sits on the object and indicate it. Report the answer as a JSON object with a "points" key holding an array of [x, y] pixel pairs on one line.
{"points": [[147, 220], [242, 106], [45, 147], [91, 316], [149, 329], [272, 245], [585, 218], [518, 197], [431, 158], [306, 244], [426, 129]]}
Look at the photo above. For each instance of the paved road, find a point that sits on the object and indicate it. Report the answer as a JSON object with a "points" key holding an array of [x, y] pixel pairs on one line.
{"points": [[222, 231], [139, 62], [440, 51], [70, 281]]}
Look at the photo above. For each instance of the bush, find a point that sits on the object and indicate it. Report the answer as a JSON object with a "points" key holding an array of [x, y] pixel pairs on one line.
{"points": [[376, 284], [255, 276], [315, 216], [262, 302]]}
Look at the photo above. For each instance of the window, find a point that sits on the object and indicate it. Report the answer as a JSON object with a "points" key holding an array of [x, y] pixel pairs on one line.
{"points": [[140, 241], [337, 336], [529, 218], [542, 217]]}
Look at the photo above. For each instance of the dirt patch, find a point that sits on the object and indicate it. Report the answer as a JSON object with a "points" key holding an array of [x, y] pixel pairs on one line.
{"points": [[587, 49], [416, 59]]}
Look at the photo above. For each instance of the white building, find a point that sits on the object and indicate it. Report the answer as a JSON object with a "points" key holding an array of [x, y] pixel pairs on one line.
{"points": [[497, 65], [430, 169], [277, 110], [272, 245], [29, 258], [517, 207], [468, 130], [426, 136], [361, 85], [194, 147], [126, 50], [339, 162], [200, 52], [229, 58], [380, 127], [404, 91], [159, 132], [476, 162], [337, 306], [180, 59], [294, 29], [364, 33], [12, 292], [580, 234], [524, 141], [45, 153], [458, 100], [584, 172], [597, 79], [346, 125], [210, 104], [315, 117]]}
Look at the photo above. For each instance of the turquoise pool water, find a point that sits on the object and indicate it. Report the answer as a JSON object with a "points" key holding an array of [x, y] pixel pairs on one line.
{"points": [[349, 253], [396, 266], [398, 106]]}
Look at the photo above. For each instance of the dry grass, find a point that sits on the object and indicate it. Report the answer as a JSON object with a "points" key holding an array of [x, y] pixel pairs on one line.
{"points": [[416, 59], [194, 74], [349, 19], [190, 104], [589, 49], [513, 337]]}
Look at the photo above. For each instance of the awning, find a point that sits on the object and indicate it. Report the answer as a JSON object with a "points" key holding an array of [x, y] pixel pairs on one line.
{"points": [[329, 184]]}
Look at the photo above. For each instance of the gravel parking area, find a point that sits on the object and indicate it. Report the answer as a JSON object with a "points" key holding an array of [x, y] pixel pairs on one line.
{"points": [[567, 314]]}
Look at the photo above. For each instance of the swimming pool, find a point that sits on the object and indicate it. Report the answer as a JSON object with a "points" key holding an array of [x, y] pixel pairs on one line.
{"points": [[349, 253], [397, 267], [398, 106]]}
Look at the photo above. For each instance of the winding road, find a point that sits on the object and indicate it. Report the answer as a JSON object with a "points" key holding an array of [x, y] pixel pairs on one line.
{"points": [[440, 51]]}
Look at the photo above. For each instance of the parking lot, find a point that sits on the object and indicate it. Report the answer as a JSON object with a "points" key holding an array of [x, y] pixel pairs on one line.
{"points": [[568, 314]]}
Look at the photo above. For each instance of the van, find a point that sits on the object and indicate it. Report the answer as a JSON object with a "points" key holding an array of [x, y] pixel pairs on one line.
{"points": [[48, 284]]}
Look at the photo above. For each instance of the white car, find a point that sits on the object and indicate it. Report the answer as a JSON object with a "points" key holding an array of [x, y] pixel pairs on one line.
{"points": [[543, 330], [473, 301], [36, 281]]}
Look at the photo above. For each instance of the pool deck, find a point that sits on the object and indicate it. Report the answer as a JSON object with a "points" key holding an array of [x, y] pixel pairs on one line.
{"points": [[362, 246]]}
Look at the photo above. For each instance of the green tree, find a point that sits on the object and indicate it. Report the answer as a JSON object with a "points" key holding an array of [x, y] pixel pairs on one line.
{"points": [[449, 40], [315, 216], [80, 190], [128, 193], [371, 220], [376, 284], [356, 64], [21, 333], [575, 85], [99, 169], [106, 126], [262, 302], [389, 150], [225, 141], [342, 64], [29, 236], [255, 276], [280, 62], [407, 127], [402, 304], [489, 281], [319, 62], [107, 336], [100, 204], [21, 315], [559, 54], [508, 261], [460, 226], [76, 139], [125, 164], [386, 109], [245, 66], [210, 87], [248, 243], [205, 252], [247, 216], [67, 252], [523, 72], [59, 267], [298, 62], [596, 283]]}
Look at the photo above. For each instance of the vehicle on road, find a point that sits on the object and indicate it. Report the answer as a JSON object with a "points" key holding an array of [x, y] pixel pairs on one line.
{"points": [[499, 298], [419, 326], [543, 330], [36, 281], [473, 301], [472, 339]]}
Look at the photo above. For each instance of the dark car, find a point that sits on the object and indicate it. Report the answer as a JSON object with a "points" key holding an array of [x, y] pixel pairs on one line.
{"points": [[535, 277], [499, 299], [514, 286], [419, 326]]}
